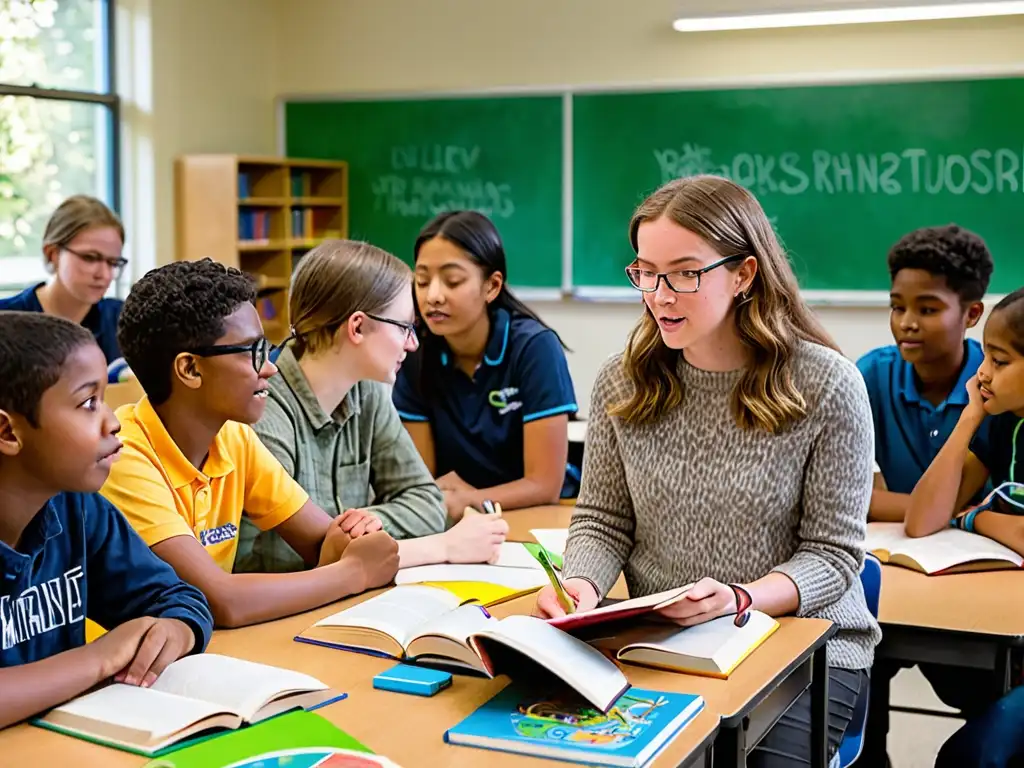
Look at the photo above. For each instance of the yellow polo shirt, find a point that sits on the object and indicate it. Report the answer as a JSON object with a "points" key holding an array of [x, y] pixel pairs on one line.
{"points": [[164, 496]]}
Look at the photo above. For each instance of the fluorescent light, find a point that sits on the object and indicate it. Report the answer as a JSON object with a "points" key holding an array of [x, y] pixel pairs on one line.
{"points": [[847, 16]]}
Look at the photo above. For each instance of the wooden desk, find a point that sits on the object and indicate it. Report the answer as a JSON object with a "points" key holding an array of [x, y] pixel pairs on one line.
{"points": [[965, 619]]}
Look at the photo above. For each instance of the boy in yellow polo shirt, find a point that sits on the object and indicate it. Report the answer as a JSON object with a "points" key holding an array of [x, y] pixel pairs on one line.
{"points": [[191, 463]]}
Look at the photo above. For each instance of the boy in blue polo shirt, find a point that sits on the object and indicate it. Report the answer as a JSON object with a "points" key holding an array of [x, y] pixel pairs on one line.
{"points": [[487, 396], [66, 554], [918, 389]]}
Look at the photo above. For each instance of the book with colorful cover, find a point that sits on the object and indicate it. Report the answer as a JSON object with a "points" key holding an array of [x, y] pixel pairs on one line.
{"points": [[294, 740], [564, 727]]}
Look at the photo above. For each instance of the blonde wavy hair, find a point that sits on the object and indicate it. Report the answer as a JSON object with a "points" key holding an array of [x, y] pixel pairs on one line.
{"points": [[771, 318]]}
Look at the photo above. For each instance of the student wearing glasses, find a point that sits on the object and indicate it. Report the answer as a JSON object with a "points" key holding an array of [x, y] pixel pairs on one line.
{"points": [[82, 246], [191, 464], [729, 446], [487, 396], [330, 421]]}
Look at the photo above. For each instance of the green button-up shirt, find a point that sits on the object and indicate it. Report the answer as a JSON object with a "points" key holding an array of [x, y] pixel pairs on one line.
{"points": [[360, 456]]}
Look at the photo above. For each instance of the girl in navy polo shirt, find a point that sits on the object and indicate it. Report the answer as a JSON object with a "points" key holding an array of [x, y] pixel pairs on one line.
{"points": [[487, 397], [82, 247], [995, 737]]}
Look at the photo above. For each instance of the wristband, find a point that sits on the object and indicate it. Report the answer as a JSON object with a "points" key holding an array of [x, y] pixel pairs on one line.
{"points": [[968, 520], [743, 603]]}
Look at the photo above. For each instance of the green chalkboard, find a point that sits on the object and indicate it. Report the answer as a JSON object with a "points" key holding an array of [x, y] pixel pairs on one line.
{"points": [[843, 171], [409, 160]]}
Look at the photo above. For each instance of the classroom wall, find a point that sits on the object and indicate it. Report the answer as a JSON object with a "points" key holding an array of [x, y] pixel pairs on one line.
{"points": [[194, 76], [378, 46]]}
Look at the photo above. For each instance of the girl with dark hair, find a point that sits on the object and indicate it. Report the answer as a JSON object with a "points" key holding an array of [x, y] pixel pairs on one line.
{"points": [[487, 396]]}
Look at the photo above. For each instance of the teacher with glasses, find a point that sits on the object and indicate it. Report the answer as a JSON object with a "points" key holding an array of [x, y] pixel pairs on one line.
{"points": [[729, 447], [82, 246]]}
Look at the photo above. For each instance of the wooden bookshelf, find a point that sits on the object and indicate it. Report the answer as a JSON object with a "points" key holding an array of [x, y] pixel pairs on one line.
{"points": [[261, 215]]}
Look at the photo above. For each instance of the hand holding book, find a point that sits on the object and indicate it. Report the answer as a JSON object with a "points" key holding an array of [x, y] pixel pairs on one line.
{"points": [[581, 591], [706, 600]]}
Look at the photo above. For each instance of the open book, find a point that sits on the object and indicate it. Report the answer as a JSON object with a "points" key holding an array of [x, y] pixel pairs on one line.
{"points": [[192, 695], [713, 649], [621, 609], [948, 551], [425, 625]]}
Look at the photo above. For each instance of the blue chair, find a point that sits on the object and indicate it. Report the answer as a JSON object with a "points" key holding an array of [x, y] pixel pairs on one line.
{"points": [[853, 741]]}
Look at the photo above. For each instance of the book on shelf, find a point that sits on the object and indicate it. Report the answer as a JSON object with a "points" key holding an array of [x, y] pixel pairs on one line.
{"points": [[194, 694], [947, 551], [525, 721], [425, 625], [712, 649], [302, 184]]}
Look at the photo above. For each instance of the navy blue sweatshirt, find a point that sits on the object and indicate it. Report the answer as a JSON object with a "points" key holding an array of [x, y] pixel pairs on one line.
{"points": [[79, 558]]}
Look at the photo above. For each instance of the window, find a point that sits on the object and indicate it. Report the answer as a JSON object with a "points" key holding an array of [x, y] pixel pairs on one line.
{"points": [[59, 117]]}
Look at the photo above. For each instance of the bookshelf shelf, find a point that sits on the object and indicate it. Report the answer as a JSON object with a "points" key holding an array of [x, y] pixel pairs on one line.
{"points": [[259, 214]]}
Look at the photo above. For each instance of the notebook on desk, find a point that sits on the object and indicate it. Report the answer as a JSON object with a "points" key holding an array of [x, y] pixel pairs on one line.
{"points": [[947, 551]]}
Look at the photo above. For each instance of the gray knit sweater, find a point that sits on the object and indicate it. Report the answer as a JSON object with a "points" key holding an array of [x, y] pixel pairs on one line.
{"points": [[693, 495]]}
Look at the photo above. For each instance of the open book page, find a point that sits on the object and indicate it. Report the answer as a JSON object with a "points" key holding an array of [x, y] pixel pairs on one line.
{"points": [[514, 555], [139, 715], [585, 669], [516, 578], [457, 625], [552, 539], [235, 684], [719, 640], [399, 612], [944, 549]]}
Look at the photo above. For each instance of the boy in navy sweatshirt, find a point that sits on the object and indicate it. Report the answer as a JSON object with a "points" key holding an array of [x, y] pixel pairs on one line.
{"points": [[67, 554]]}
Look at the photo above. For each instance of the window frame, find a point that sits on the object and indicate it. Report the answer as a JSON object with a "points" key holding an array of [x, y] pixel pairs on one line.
{"points": [[107, 98]]}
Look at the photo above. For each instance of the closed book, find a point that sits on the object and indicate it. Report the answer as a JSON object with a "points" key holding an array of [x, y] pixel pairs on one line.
{"points": [[561, 726]]}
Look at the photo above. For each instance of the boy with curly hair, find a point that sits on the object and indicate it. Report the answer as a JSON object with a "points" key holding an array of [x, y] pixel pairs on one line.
{"points": [[192, 463], [918, 389]]}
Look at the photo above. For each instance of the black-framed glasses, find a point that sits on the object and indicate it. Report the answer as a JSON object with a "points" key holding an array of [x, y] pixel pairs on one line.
{"points": [[409, 328], [259, 349], [116, 265], [682, 281]]}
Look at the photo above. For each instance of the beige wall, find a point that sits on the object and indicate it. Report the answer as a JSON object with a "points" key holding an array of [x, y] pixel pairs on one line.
{"points": [[217, 65]]}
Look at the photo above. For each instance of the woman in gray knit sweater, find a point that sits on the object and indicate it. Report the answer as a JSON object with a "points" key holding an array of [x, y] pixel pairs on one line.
{"points": [[730, 445]]}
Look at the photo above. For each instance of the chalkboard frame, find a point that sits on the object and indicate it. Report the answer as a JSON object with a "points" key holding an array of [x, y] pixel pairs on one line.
{"points": [[598, 294]]}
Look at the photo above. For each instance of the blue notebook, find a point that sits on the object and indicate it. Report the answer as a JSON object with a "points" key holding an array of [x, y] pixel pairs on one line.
{"points": [[566, 728]]}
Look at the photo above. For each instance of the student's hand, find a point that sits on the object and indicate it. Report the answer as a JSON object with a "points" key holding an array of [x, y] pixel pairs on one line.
{"points": [[356, 522], [452, 482], [335, 543], [580, 590], [707, 599], [167, 640], [456, 503], [975, 409], [114, 650], [475, 539], [376, 557]]}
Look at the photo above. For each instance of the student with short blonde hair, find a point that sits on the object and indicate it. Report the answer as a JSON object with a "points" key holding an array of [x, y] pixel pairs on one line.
{"points": [[730, 446], [330, 421], [82, 246]]}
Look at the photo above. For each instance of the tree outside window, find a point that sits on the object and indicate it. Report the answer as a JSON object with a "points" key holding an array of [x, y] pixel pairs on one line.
{"points": [[58, 120]]}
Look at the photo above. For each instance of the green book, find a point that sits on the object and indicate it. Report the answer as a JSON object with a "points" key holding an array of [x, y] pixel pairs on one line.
{"points": [[294, 740]]}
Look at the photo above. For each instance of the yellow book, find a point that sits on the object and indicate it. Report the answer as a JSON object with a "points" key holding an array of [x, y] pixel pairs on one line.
{"points": [[479, 591]]}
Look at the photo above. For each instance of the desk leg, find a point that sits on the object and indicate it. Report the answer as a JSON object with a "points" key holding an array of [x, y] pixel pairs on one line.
{"points": [[819, 709], [1004, 670], [730, 750]]}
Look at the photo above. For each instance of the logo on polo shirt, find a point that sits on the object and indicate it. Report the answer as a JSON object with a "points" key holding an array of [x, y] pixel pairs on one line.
{"points": [[501, 399], [218, 535]]}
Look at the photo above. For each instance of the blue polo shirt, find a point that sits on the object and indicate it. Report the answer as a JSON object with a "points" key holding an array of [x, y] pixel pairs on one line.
{"points": [[478, 422], [79, 558], [909, 430], [101, 320]]}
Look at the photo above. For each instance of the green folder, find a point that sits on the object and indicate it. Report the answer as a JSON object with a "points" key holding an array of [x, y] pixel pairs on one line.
{"points": [[293, 730]]}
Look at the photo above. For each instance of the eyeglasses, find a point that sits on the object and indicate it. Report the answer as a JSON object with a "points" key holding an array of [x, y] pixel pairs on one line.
{"points": [[259, 349], [116, 265], [409, 328], [683, 281]]}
